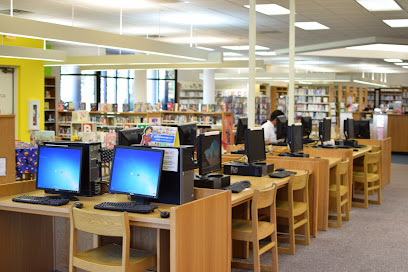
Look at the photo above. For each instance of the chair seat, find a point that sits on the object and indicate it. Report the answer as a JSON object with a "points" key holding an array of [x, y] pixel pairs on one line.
{"points": [[111, 255], [371, 177], [282, 207], [343, 189], [242, 229]]}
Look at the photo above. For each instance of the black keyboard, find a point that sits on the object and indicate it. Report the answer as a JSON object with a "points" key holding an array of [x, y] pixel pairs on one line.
{"points": [[238, 186], [43, 200], [343, 146], [126, 207], [359, 146], [280, 144], [282, 174]]}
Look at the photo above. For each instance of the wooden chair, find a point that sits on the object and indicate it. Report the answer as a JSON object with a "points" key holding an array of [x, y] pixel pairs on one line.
{"points": [[293, 210], [359, 167], [109, 258], [338, 191], [255, 230], [370, 180]]}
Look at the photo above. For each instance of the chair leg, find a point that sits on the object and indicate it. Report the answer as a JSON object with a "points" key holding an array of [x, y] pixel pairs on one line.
{"points": [[307, 228], [275, 252], [365, 195], [347, 210], [339, 216], [257, 259], [379, 195]]}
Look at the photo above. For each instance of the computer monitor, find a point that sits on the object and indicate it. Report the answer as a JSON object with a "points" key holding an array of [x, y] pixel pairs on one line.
{"points": [[242, 126], [209, 152], [325, 130], [295, 133], [187, 133], [130, 136], [281, 127], [59, 170], [349, 128], [254, 145], [307, 125], [136, 171], [362, 129]]}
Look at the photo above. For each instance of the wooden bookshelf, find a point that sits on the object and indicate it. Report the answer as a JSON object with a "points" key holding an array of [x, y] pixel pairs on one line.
{"points": [[50, 122]]}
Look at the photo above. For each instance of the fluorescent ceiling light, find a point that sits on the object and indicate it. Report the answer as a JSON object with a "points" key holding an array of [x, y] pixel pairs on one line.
{"points": [[379, 5], [244, 47], [392, 60], [381, 47], [231, 54], [397, 22], [270, 9], [195, 40], [126, 4], [265, 53], [17, 52], [401, 63], [369, 83], [205, 48], [406, 67], [310, 25]]}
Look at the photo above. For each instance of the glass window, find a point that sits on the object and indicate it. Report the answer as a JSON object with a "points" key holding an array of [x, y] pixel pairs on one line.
{"points": [[161, 87], [88, 90]]}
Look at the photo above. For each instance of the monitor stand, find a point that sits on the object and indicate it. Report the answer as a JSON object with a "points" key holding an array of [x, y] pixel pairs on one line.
{"points": [[212, 181], [69, 196], [139, 199]]}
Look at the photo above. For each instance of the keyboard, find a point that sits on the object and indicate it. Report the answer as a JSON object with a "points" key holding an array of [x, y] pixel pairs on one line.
{"points": [[43, 200], [359, 146], [126, 207], [238, 186], [343, 146], [280, 144], [282, 174]]}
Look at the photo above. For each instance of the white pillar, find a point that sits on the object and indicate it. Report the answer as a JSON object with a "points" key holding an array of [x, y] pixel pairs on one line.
{"points": [[252, 71], [209, 86], [140, 91], [291, 91]]}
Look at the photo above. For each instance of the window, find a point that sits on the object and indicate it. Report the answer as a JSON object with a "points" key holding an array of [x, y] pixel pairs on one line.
{"points": [[161, 87]]}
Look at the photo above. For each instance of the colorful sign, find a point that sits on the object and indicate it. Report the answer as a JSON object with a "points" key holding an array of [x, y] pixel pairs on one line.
{"points": [[161, 136]]}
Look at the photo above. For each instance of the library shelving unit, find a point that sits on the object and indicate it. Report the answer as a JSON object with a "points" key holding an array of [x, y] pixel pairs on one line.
{"points": [[116, 120], [49, 104], [262, 109], [64, 124], [233, 103], [190, 92], [386, 96], [278, 98], [312, 102], [404, 100]]}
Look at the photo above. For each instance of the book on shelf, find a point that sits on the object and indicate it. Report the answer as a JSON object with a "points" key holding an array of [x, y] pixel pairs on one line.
{"points": [[125, 107], [109, 107], [176, 107], [137, 107], [204, 108], [94, 106], [115, 107], [46, 105], [103, 107], [183, 107], [157, 107], [60, 106], [170, 106], [70, 106], [47, 94], [110, 140], [82, 106], [147, 107]]}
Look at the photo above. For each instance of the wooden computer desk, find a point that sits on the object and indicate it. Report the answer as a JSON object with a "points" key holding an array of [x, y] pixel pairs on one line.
{"points": [[196, 237]]}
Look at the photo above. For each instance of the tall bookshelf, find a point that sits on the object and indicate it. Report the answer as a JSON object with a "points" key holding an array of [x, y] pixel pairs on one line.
{"points": [[312, 102], [190, 92], [49, 104]]}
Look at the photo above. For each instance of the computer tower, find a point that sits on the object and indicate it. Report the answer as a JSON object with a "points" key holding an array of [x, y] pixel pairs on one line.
{"points": [[91, 166], [177, 185]]}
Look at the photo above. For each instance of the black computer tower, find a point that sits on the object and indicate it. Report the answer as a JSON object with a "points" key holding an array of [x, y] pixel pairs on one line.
{"points": [[177, 187], [91, 166]]}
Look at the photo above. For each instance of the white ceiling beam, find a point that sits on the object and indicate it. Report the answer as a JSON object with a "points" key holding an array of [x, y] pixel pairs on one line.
{"points": [[366, 54], [52, 32], [19, 52]]}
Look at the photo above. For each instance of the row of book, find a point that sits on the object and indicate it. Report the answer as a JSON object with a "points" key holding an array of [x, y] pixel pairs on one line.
{"points": [[174, 118], [312, 107], [231, 99], [65, 118], [314, 115], [306, 91], [312, 99], [114, 120]]}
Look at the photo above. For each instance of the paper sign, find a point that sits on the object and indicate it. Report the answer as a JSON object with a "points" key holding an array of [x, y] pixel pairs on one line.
{"points": [[161, 136], [3, 167], [87, 127], [170, 159]]}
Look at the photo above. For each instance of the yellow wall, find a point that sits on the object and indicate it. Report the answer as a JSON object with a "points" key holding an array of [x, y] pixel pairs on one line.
{"points": [[30, 84]]}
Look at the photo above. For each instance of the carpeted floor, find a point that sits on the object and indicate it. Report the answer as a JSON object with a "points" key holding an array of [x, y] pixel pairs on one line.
{"points": [[398, 157], [375, 239]]}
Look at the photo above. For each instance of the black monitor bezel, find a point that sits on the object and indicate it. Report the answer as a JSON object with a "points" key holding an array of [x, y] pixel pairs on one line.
{"points": [[349, 122], [200, 153], [122, 133], [242, 126], [248, 144], [281, 127], [141, 149], [193, 127], [309, 125], [325, 126], [292, 138], [80, 168], [361, 124]]}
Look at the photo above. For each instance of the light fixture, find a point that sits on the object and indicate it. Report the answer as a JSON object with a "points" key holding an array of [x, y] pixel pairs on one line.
{"points": [[379, 5], [369, 83], [231, 54], [406, 67], [401, 63], [265, 53], [381, 47], [270, 9], [17, 52], [205, 48], [397, 22], [310, 26], [243, 47], [194, 40], [392, 60]]}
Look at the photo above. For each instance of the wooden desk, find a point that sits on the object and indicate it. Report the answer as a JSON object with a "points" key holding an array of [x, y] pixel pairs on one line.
{"points": [[196, 237]]}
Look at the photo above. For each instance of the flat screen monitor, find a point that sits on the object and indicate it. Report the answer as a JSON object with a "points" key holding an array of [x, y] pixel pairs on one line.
{"points": [[242, 126], [281, 127], [59, 169], [325, 130], [130, 136], [255, 145], [349, 128], [362, 129], [209, 152], [187, 133], [136, 171], [307, 125], [295, 135]]}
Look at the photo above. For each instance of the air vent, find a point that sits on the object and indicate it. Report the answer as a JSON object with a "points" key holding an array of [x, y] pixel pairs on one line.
{"points": [[15, 11]]}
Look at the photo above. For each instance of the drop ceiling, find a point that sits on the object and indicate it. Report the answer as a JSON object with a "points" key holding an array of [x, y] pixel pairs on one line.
{"points": [[217, 23]]}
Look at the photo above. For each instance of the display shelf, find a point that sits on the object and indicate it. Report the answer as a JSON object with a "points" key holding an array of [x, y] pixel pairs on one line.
{"points": [[190, 92], [49, 104]]}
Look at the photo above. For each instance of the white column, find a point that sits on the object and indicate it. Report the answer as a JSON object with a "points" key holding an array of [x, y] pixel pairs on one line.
{"points": [[140, 91], [252, 71], [209, 86], [291, 91]]}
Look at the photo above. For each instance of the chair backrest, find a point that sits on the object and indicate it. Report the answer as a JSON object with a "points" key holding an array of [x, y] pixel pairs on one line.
{"points": [[101, 224], [372, 157], [300, 181], [342, 167], [264, 198], [375, 148]]}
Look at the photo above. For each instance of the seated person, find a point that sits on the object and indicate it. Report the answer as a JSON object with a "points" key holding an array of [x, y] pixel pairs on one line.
{"points": [[270, 128]]}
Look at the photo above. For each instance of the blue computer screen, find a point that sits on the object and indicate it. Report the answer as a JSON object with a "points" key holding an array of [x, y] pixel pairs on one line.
{"points": [[59, 168], [136, 171]]}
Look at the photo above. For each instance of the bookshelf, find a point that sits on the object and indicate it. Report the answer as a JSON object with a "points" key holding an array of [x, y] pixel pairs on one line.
{"points": [[278, 98], [312, 102], [49, 104], [190, 92]]}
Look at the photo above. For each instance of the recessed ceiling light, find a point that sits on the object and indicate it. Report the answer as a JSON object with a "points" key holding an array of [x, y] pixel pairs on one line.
{"points": [[310, 25], [379, 5], [270, 9], [231, 54], [381, 47], [265, 53], [392, 60], [401, 63], [397, 22], [244, 47]]}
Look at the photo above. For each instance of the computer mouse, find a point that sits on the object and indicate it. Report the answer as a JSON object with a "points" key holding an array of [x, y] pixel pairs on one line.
{"points": [[355, 149], [280, 169], [78, 205], [165, 214]]}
